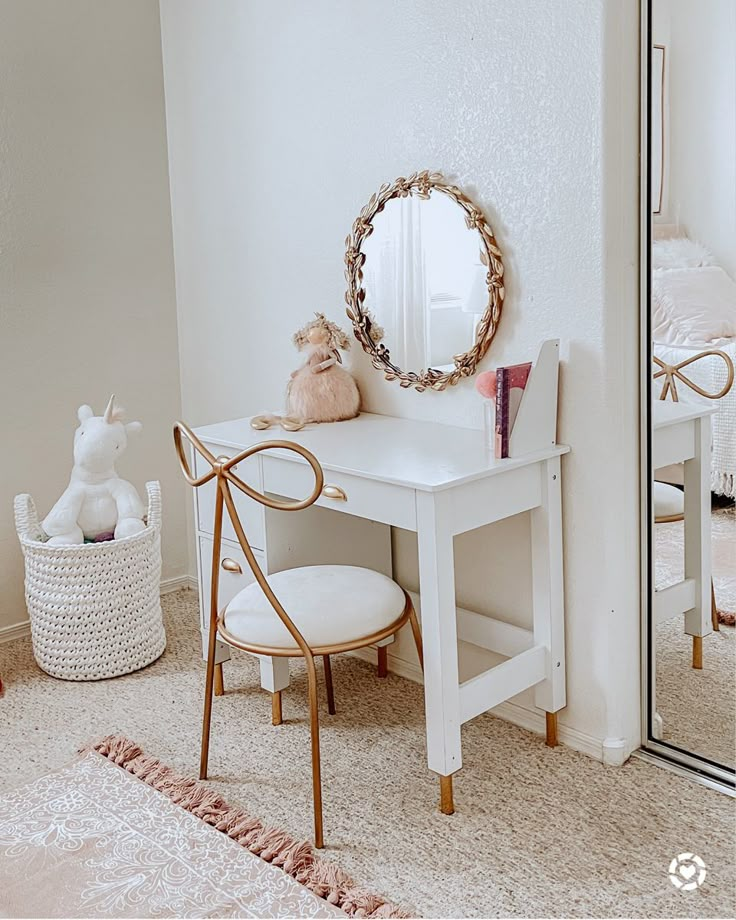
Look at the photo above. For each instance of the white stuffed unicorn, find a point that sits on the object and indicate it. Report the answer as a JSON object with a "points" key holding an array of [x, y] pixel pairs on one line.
{"points": [[97, 500]]}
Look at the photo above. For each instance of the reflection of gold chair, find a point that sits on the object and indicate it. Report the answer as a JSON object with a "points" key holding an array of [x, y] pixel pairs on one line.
{"points": [[333, 608], [669, 501]]}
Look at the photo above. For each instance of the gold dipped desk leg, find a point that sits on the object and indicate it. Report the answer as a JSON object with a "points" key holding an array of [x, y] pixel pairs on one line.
{"points": [[219, 682], [551, 725], [698, 652], [276, 715], [714, 608], [447, 805]]}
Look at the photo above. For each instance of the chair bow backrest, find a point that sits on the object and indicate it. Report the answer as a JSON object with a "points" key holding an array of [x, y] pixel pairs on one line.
{"points": [[672, 372], [221, 469]]}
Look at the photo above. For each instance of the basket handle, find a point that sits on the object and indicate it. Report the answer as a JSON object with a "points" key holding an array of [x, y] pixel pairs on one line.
{"points": [[26, 517], [154, 504]]}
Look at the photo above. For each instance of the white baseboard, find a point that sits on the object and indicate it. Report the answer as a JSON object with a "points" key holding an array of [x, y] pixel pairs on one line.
{"points": [[168, 585], [616, 751], [15, 631], [532, 720]]}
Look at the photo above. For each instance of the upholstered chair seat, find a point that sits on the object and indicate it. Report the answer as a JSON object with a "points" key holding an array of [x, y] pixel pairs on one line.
{"points": [[669, 501], [330, 605]]}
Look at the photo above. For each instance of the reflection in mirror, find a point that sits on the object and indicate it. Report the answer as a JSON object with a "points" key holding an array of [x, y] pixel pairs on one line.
{"points": [[692, 192], [424, 280]]}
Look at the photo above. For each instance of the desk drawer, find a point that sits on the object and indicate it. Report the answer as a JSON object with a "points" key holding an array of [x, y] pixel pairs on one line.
{"points": [[365, 498], [230, 581], [249, 510]]}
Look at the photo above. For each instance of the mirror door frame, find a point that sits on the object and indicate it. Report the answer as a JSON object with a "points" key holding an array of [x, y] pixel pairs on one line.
{"points": [[708, 771]]}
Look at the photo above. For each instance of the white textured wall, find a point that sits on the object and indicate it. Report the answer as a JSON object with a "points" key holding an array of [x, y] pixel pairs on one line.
{"points": [[284, 117], [86, 261], [701, 87]]}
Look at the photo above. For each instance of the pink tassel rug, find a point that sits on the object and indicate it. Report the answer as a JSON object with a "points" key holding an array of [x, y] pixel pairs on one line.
{"points": [[118, 834]]}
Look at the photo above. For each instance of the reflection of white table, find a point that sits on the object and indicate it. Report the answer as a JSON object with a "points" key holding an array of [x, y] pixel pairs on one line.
{"points": [[432, 479], [681, 433]]}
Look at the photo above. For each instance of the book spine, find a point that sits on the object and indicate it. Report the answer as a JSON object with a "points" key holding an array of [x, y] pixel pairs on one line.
{"points": [[502, 413], [518, 377]]}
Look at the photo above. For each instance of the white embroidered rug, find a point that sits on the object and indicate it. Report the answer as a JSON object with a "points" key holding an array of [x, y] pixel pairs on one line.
{"points": [[97, 840]]}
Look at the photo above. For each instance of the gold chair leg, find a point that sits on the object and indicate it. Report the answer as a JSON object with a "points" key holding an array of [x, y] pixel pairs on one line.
{"points": [[219, 682], [698, 653], [276, 716], [447, 805], [714, 608], [316, 767], [328, 684], [417, 633], [207, 718], [382, 660], [551, 726]]}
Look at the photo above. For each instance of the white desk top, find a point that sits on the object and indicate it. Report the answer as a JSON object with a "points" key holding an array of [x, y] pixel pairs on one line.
{"points": [[422, 455], [665, 412]]}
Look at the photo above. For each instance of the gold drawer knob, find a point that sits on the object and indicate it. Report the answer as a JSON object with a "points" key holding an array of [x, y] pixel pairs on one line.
{"points": [[334, 492], [230, 565], [223, 458]]}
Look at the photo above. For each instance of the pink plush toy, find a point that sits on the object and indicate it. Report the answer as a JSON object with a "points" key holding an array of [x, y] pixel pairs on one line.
{"points": [[485, 384], [321, 390]]}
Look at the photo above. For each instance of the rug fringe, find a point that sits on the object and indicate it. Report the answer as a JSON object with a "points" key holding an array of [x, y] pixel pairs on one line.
{"points": [[723, 484], [296, 858]]}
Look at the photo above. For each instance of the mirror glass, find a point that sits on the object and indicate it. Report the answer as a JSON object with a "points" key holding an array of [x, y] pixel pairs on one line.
{"points": [[690, 309], [424, 280]]}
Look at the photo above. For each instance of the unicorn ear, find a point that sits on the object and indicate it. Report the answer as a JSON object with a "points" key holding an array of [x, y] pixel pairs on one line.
{"points": [[84, 412], [108, 416], [133, 427]]}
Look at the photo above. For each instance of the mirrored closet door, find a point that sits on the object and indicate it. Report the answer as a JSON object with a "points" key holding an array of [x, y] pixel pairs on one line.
{"points": [[688, 355]]}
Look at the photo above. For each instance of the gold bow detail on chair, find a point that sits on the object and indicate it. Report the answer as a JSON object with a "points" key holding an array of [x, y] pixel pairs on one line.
{"points": [[672, 371]]}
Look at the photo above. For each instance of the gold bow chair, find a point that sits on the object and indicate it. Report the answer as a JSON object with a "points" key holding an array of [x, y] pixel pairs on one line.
{"points": [[331, 608], [669, 501]]}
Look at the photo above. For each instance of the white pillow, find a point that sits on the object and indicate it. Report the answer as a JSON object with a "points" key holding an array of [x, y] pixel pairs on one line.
{"points": [[680, 252], [693, 306]]}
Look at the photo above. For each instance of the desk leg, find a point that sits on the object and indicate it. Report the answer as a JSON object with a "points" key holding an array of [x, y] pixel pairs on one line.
{"points": [[219, 681], [439, 634], [222, 651], [274, 677], [547, 594], [697, 538], [274, 671]]}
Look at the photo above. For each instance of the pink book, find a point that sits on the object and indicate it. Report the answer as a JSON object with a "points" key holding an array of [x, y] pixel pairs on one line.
{"points": [[510, 384]]}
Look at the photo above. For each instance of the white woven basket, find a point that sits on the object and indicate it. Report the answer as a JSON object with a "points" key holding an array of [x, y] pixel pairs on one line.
{"points": [[95, 608]]}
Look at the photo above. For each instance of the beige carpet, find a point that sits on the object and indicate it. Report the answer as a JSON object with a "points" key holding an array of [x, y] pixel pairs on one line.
{"points": [[538, 832], [698, 708]]}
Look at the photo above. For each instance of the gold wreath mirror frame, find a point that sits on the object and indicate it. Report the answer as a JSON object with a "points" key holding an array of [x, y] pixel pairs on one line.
{"points": [[421, 185]]}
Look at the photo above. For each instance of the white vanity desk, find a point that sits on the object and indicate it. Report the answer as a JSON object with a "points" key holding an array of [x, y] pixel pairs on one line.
{"points": [[681, 433], [432, 479]]}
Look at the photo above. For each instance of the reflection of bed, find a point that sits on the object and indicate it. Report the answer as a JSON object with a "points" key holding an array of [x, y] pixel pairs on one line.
{"points": [[693, 310]]}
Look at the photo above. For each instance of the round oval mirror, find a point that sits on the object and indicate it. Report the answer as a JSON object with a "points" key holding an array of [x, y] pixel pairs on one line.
{"points": [[425, 282]]}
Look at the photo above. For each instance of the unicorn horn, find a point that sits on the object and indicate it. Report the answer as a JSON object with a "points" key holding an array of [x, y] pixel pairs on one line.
{"points": [[108, 412]]}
